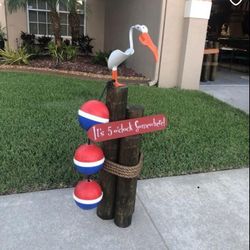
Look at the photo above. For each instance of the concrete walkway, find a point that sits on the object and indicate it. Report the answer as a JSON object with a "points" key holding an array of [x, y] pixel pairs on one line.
{"points": [[202, 211], [227, 77], [234, 95], [231, 87]]}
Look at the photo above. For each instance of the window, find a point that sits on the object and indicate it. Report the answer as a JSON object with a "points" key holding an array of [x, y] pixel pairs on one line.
{"points": [[39, 18]]}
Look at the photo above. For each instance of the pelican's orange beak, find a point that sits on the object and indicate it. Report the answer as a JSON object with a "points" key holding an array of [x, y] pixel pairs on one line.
{"points": [[146, 40]]}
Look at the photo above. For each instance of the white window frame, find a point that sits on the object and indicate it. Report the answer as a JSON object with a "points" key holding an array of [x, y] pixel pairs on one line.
{"points": [[60, 11]]}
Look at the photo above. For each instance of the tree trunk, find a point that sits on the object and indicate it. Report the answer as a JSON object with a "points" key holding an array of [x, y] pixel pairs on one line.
{"points": [[74, 22], [56, 26]]}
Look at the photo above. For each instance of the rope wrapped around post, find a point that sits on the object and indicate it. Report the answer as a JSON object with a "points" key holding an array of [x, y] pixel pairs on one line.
{"points": [[124, 171]]}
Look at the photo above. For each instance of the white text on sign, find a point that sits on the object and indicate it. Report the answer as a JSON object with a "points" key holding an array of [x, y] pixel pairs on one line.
{"points": [[119, 129]]}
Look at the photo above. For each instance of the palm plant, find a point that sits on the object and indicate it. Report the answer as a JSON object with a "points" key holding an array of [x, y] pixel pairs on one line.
{"points": [[55, 20], [14, 5], [56, 52], [74, 19], [10, 56]]}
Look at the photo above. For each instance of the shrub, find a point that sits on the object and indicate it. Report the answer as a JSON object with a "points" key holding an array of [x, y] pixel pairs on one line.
{"points": [[27, 39], [85, 44], [44, 41], [66, 42], [101, 58], [2, 37], [56, 52], [19, 56], [62, 53], [29, 43], [69, 52]]}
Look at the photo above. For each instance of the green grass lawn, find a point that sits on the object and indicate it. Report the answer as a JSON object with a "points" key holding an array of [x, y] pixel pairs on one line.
{"points": [[40, 132]]}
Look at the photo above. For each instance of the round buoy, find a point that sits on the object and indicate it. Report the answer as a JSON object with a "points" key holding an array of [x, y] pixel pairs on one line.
{"points": [[88, 159], [91, 113], [87, 194]]}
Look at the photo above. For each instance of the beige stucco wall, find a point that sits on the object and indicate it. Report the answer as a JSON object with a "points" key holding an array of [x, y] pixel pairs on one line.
{"points": [[2, 14], [122, 14], [183, 43], [192, 53], [16, 22], [96, 22], [171, 44], [195, 22]]}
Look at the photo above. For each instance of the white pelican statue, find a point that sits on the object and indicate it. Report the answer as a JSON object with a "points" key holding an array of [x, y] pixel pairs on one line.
{"points": [[118, 56]]}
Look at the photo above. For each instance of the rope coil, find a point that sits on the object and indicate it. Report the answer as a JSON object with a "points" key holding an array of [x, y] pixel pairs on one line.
{"points": [[124, 171]]}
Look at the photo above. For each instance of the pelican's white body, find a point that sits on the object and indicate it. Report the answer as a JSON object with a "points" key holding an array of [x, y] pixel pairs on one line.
{"points": [[117, 56]]}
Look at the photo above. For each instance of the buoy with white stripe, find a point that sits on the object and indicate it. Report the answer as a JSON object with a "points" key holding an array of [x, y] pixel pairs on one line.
{"points": [[87, 194], [88, 159], [93, 112]]}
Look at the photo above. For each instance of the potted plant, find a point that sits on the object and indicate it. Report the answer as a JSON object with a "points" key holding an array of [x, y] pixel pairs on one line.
{"points": [[2, 37]]}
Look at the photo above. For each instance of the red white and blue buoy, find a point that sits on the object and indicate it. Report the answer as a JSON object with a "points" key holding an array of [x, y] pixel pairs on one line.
{"points": [[87, 194], [93, 112], [88, 159]]}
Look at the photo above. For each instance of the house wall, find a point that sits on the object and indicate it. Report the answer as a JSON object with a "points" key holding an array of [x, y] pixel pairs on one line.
{"points": [[196, 15], [171, 43], [178, 28], [120, 16], [16, 22], [183, 43], [96, 23], [2, 14], [192, 53]]}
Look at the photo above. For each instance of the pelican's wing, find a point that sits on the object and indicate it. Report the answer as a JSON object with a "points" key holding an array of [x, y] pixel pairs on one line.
{"points": [[117, 57]]}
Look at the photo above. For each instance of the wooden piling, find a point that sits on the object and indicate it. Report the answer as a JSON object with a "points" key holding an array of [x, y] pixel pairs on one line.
{"points": [[205, 65], [129, 155], [116, 101], [214, 63]]}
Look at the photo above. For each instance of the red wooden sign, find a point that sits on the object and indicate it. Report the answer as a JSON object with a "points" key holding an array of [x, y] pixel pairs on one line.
{"points": [[119, 129]]}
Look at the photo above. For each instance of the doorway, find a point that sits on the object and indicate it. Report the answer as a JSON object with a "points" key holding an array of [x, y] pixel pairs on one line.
{"points": [[228, 28]]}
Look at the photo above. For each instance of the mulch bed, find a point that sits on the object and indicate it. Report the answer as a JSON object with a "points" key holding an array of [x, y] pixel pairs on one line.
{"points": [[82, 67], [82, 64]]}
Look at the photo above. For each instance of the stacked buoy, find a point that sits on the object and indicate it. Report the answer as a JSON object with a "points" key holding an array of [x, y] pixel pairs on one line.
{"points": [[89, 158]]}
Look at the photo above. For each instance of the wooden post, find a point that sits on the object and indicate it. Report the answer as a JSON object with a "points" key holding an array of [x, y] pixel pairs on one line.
{"points": [[214, 63], [126, 188], [205, 66], [116, 101]]}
